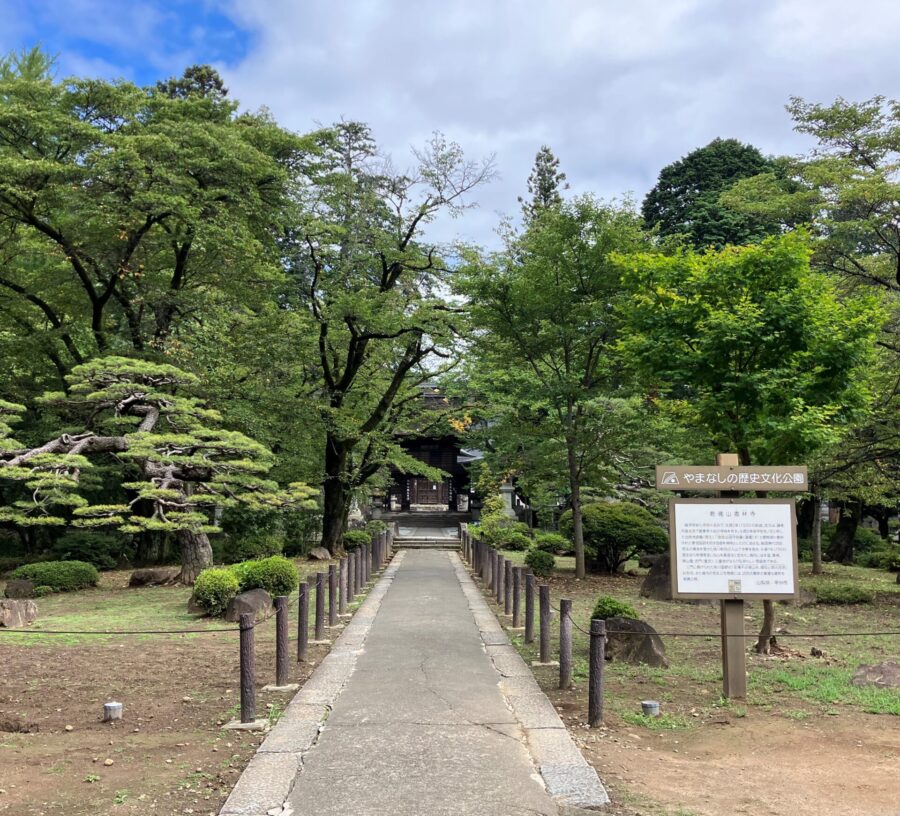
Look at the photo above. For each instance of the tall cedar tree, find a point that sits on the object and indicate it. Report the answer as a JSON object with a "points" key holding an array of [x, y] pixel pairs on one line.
{"points": [[544, 184]]}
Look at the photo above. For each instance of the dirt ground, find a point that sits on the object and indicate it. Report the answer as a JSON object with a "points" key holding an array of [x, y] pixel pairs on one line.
{"points": [[168, 755]]}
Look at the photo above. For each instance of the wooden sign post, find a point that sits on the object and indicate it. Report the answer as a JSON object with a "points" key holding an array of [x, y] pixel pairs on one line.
{"points": [[731, 548]]}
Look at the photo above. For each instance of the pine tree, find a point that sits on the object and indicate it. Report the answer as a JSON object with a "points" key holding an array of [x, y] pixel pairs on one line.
{"points": [[544, 184]]}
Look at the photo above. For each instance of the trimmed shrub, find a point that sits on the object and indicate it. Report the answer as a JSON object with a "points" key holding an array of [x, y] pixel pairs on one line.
{"points": [[516, 541], [609, 607], [501, 531], [276, 575], [234, 549], [100, 549], [540, 561], [616, 531], [830, 593], [555, 543], [40, 591], [214, 588], [884, 555], [354, 539], [376, 526], [302, 531], [60, 576]]}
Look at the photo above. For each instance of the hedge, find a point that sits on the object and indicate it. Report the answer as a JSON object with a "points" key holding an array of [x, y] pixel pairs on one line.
{"points": [[59, 576]]}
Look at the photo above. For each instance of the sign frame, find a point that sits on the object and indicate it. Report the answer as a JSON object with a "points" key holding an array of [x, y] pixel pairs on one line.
{"points": [[672, 477], [739, 596]]}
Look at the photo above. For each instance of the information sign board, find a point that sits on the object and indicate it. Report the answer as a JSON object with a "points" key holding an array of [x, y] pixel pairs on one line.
{"points": [[733, 548], [782, 478]]}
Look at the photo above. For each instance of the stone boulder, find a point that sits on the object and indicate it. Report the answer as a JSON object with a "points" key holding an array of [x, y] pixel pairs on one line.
{"points": [[881, 675], [319, 554], [658, 583], [16, 613], [633, 641], [257, 602], [153, 576], [648, 560], [19, 588]]}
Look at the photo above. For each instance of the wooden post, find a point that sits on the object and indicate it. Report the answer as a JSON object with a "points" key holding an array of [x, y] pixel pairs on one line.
{"points": [[320, 606], [500, 587], [565, 643], [731, 613], [545, 622], [529, 607], [248, 669], [303, 623], [517, 597], [342, 586], [281, 640], [332, 595], [507, 587], [595, 676]]}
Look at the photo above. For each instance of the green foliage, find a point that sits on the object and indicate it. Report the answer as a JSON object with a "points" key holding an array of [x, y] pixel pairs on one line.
{"points": [[60, 576], [555, 543], [42, 590], [614, 532], [375, 527], [277, 575], [103, 550], [685, 201], [354, 539], [541, 562], [232, 549], [214, 588], [761, 350], [544, 184], [830, 592], [499, 530], [609, 607], [883, 555]]}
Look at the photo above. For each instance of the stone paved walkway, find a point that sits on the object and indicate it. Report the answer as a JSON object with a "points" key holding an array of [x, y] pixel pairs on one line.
{"points": [[421, 727]]}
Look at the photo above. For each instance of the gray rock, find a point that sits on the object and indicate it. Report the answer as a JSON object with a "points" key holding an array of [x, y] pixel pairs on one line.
{"points": [[257, 602], [648, 560], [658, 583], [633, 641], [882, 675], [319, 554], [19, 588], [16, 613], [153, 576]]}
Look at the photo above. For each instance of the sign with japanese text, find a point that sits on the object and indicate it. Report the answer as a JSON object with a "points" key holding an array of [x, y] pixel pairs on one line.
{"points": [[726, 477], [733, 548]]}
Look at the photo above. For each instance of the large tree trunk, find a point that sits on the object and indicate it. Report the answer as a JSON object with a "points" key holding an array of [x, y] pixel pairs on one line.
{"points": [[817, 536], [841, 547], [765, 640], [335, 495], [577, 518], [196, 555], [806, 509]]}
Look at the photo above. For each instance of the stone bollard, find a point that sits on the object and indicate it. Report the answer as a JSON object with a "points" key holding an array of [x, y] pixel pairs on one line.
{"points": [[332, 595], [320, 606], [507, 587], [351, 576], [248, 669], [112, 711], [500, 583], [517, 597], [303, 623], [342, 586], [565, 643], [595, 677], [281, 640], [529, 607], [544, 592]]}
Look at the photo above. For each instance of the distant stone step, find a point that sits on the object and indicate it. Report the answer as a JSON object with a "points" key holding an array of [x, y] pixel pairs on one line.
{"points": [[426, 544]]}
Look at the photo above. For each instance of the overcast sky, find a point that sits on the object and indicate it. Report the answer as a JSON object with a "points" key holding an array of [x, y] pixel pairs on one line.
{"points": [[618, 89]]}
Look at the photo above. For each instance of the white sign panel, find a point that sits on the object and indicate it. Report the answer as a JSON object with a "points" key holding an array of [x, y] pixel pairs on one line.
{"points": [[729, 548]]}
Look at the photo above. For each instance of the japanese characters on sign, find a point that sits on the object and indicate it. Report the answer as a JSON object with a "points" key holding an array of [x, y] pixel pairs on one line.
{"points": [[729, 548], [723, 477]]}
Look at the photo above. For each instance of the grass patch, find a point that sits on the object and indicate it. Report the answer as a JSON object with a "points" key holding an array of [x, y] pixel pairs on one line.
{"points": [[664, 722], [828, 685]]}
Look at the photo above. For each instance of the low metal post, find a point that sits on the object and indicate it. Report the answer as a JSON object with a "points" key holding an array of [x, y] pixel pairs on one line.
{"points": [[281, 640], [507, 587], [545, 622], [517, 597], [595, 678], [332, 595], [342, 586], [565, 643], [303, 623], [248, 668], [529, 607], [500, 583], [320, 606]]}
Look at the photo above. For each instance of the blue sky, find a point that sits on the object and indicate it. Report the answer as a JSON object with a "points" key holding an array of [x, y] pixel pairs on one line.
{"points": [[618, 88]]}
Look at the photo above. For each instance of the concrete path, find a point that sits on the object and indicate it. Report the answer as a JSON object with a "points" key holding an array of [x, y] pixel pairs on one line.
{"points": [[421, 727]]}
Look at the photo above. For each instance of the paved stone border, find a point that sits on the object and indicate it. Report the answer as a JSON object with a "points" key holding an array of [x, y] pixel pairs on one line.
{"points": [[569, 779], [267, 780]]}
